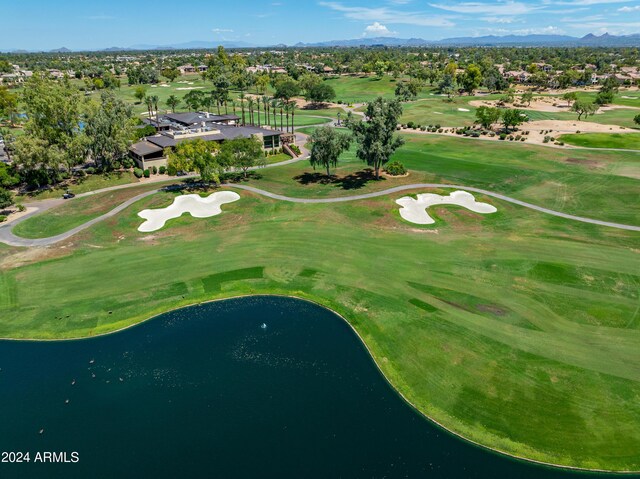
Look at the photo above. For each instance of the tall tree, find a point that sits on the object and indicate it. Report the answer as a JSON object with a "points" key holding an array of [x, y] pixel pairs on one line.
{"points": [[108, 129], [327, 144], [242, 96], [198, 155], [242, 153], [512, 118], [376, 135], [471, 79], [584, 108], [8, 105], [173, 102], [140, 93], [487, 116]]}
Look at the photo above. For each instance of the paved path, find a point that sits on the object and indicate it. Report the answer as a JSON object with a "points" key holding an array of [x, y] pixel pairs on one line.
{"points": [[7, 237]]}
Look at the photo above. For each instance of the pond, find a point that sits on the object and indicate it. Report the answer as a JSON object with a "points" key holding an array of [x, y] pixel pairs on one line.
{"points": [[265, 387]]}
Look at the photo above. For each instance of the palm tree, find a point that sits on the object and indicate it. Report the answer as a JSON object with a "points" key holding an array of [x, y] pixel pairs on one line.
{"points": [[258, 105], [250, 103], [274, 108], [154, 101], [233, 105], [287, 109], [242, 97], [292, 105], [265, 103], [281, 106], [149, 103]]}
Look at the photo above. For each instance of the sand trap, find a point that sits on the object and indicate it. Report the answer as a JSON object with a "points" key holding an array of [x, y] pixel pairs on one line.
{"points": [[463, 109], [197, 206], [629, 97], [437, 113], [415, 211], [190, 88]]}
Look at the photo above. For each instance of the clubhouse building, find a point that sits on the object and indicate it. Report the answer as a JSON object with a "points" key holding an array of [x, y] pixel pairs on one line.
{"points": [[174, 128]]}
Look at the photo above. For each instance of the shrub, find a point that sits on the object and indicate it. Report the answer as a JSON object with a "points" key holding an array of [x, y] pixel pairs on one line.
{"points": [[127, 163], [424, 128], [80, 173], [3, 218], [503, 136], [410, 124], [91, 170], [437, 126], [162, 170], [395, 168], [155, 170], [295, 149], [138, 172], [171, 170], [147, 173], [21, 207]]}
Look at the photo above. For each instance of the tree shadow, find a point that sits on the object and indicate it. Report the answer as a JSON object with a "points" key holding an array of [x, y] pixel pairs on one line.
{"points": [[357, 180], [315, 106], [353, 181]]}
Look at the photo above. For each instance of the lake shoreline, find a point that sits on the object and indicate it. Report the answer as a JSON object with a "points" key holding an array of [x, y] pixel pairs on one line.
{"points": [[444, 428]]}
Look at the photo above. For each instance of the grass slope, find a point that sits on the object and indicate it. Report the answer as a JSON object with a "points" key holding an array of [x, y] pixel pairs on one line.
{"points": [[628, 141], [517, 330]]}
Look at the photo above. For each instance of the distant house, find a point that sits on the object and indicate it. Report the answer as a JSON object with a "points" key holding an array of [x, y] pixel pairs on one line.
{"points": [[519, 76], [186, 69], [178, 127]]}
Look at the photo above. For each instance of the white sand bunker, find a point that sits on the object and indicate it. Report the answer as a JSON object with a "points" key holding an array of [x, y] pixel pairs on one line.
{"points": [[415, 211], [197, 206], [463, 109]]}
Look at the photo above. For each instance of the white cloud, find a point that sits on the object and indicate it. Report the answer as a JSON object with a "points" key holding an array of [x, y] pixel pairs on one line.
{"points": [[384, 14], [222, 30], [503, 20], [496, 9], [377, 29], [630, 9], [585, 2]]}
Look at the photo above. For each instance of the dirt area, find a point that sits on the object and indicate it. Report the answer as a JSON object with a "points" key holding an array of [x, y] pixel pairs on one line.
{"points": [[541, 128], [14, 214], [549, 105]]}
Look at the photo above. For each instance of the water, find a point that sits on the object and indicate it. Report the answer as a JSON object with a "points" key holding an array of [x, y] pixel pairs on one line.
{"points": [[208, 392]]}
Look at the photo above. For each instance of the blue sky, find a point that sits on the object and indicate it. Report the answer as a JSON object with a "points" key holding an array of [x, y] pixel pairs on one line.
{"points": [[47, 24]]}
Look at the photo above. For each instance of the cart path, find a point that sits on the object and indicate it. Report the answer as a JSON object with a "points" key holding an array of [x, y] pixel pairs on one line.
{"points": [[7, 237]]}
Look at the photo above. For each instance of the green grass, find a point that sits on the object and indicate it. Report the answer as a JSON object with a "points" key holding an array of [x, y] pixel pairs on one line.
{"points": [[628, 141], [81, 185], [75, 212], [518, 330], [359, 89], [572, 181]]}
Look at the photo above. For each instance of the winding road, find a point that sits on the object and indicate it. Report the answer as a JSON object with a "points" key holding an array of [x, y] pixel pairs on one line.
{"points": [[7, 237]]}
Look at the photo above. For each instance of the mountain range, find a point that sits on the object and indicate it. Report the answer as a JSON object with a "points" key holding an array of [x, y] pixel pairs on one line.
{"points": [[604, 40], [590, 40]]}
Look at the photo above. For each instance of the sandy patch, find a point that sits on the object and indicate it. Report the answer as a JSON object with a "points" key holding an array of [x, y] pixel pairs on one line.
{"points": [[195, 205], [15, 214], [463, 109], [415, 210], [189, 88], [548, 105]]}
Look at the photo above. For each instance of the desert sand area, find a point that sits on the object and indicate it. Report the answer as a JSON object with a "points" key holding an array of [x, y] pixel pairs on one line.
{"points": [[549, 105], [540, 129]]}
